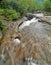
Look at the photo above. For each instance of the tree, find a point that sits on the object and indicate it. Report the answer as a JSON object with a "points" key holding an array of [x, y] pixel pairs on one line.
{"points": [[27, 6], [47, 5]]}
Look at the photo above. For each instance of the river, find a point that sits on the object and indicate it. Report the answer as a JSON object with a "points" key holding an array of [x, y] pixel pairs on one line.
{"points": [[35, 42]]}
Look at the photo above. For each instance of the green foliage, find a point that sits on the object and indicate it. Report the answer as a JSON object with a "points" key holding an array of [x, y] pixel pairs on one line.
{"points": [[3, 25], [21, 6], [1, 17], [47, 5], [11, 14], [24, 6], [1, 11]]}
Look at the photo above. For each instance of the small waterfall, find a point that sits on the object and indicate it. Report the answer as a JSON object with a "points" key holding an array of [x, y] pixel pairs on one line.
{"points": [[27, 23]]}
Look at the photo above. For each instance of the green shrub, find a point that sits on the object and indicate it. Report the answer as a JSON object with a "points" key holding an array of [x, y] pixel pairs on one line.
{"points": [[47, 6], [1, 17], [11, 14], [14, 16], [1, 11], [3, 25]]}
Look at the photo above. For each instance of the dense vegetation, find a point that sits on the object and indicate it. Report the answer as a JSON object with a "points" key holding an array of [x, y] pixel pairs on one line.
{"points": [[14, 9], [3, 25], [47, 5], [24, 5]]}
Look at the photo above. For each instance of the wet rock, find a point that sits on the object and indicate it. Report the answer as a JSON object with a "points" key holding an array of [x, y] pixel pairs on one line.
{"points": [[25, 18], [46, 19], [29, 16], [16, 41]]}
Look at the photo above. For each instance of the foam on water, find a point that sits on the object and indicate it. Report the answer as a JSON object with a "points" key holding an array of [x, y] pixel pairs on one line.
{"points": [[30, 62], [33, 63], [39, 15], [27, 23]]}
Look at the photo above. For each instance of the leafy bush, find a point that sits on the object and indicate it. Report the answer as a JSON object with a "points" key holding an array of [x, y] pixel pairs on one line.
{"points": [[3, 25], [11, 14], [1, 17], [1, 11], [47, 6]]}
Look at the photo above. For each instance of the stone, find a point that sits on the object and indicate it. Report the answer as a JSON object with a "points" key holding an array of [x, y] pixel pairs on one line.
{"points": [[16, 41]]}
